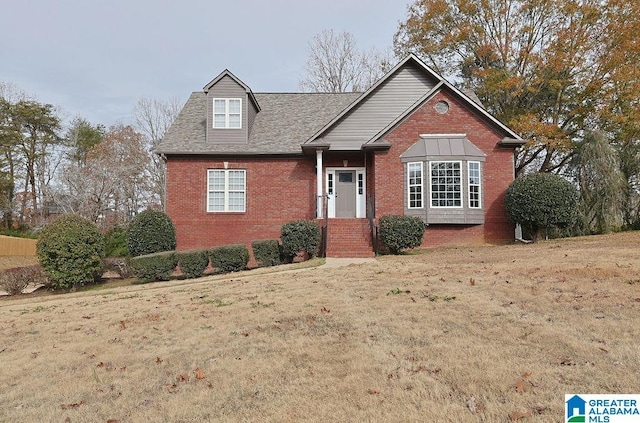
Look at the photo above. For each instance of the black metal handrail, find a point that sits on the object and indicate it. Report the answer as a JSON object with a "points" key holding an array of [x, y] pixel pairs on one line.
{"points": [[371, 215], [325, 224]]}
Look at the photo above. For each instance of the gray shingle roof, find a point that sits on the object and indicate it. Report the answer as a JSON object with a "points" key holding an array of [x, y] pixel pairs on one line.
{"points": [[286, 120]]}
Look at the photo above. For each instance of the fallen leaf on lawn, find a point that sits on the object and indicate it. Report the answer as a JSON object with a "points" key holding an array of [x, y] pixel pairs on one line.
{"points": [[123, 325], [373, 391], [158, 360], [183, 378], [540, 408], [517, 415], [604, 350], [72, 406], [325, 310], [199, 374], [112, 421], [520, 386], [526, 374]]}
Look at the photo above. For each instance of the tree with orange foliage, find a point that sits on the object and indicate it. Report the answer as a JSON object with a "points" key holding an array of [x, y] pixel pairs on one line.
{"points": [[549, 69]]}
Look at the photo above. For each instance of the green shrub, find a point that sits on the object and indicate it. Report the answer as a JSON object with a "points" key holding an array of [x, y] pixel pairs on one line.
{"points": [[13, 281], [116, 243], [229, 258], [266, 252], [150, 232], [154, 267], [70, 250], [300, 236], [541, 201], [193, 262], [398, 233]]}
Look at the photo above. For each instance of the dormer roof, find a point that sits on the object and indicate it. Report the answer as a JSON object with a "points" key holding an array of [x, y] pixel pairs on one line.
{"points": [[237, 80]]}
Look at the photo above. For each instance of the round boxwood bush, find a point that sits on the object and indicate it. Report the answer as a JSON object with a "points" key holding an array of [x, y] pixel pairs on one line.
{"points": [[398, 233], [71, 249], [300, 236], [150, 232], [541, 201]]}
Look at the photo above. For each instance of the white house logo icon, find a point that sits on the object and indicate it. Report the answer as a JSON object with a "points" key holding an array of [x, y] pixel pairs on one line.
{"points": [[576, 409]]}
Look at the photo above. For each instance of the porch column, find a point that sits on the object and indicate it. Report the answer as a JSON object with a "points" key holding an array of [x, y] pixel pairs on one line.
{"points": [[319, 195]]}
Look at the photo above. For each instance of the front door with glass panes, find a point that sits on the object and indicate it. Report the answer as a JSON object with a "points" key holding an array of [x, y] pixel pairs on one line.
{"points": [[346, 192]]}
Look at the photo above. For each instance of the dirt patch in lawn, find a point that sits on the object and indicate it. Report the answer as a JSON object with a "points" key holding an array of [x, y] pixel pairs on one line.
{"points": [[451, 335]]}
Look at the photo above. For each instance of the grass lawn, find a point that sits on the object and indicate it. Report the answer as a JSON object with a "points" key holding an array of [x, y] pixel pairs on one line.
{"points": [[486, 334]]}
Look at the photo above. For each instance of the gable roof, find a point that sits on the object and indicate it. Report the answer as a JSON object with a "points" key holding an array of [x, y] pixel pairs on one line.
{"points": [[471, 100], [285, 122], [237, 80]]}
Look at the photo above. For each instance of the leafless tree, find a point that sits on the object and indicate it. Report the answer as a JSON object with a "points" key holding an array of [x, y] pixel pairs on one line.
{"points": [[111, 185], [153, 119], [336, 64]]}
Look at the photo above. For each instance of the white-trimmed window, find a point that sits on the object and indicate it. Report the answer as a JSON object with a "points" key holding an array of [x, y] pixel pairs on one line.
{"points": [[474, 185], [414, 182], [227, 113], [226, 190], [446, 184]]}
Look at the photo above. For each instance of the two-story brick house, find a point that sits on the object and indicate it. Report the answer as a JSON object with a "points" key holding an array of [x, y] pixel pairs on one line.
{"points": [[240, 164]]}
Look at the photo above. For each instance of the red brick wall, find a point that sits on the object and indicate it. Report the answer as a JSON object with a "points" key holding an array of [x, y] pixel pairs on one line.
{"points": [[279, 190], [498, 172]]}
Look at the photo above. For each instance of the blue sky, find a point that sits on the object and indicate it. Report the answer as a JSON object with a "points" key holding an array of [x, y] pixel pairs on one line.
{"points": [[97, 58]]}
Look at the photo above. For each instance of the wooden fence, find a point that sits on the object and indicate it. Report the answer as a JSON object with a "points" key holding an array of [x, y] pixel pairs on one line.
{"points": [[11, 246]]}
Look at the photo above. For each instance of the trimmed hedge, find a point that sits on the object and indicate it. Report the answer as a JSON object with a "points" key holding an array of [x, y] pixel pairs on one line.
{"points": [[229, 258], [398, 233], [300, 236], [154, 267], [150, 232], [266, 252], [71, 249], [193, 262]]}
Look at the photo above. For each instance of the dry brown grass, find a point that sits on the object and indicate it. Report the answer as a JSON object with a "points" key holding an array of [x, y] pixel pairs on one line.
{"points": [[449, 335]]}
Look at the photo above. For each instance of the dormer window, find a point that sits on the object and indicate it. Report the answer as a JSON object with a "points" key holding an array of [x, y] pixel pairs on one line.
{"points": [[227, 113]]}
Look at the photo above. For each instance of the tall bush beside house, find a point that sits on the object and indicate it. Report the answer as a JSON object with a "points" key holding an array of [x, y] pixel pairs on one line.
{"points": [[540, 201], [71, 249], [150, 232], [266, 252], [300, 236], [399, 233], [193, 262]]}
